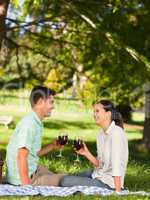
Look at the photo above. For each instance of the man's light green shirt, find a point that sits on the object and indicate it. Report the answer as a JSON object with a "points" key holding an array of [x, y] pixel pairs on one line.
{"points": [[26, 134]]}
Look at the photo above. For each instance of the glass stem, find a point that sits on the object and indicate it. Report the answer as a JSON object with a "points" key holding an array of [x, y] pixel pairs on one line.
{"points": [[60, 153]]}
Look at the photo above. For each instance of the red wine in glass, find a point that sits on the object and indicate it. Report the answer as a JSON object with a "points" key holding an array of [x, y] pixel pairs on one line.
{"points": [[78, 144], [62, 140], [66, 139]]}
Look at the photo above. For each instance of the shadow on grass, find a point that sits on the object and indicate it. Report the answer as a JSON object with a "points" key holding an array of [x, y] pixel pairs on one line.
{"points": [[139, 123], [138, 152], [133, 132], [137, 182], [2, 154], [63, 124]]}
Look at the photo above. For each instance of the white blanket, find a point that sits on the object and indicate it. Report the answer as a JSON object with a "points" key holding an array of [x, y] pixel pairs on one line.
{"points": [[6, 190]]}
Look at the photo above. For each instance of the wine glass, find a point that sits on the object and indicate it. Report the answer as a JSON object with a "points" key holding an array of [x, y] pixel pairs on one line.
{"points": [[62, 140], [78, 144]]}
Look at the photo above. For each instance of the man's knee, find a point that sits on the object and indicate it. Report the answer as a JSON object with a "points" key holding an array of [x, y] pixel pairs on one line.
{"points": [[48, 180]]}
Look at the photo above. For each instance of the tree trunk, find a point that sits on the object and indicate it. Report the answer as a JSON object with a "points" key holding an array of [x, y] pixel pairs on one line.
{"points": [[3, 13], [146, 135], [1, 170], [74, 85]]}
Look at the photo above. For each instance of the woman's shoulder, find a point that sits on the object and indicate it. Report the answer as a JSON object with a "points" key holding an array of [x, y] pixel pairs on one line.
{"points": [[118, 131]]}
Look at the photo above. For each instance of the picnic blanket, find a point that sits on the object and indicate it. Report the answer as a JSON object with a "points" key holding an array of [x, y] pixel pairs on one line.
{"points": [[6, 189]]}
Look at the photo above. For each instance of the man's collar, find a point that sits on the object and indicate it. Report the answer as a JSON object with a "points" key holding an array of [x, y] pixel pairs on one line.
{"points": [[36, 117]]}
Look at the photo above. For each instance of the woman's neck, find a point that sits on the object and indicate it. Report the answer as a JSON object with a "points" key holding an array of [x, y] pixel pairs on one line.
{"points": [[105, 125]]}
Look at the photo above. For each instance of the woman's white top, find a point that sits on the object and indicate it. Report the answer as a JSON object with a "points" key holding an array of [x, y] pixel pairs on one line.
{"points": [[112, 151]]}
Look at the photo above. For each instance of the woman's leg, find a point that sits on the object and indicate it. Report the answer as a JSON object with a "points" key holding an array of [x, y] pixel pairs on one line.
{"points": [[85, 174], [69, 181]]}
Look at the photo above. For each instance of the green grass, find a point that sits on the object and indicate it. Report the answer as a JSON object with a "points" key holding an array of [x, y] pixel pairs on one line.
{"points": [[77, 120], [80, 197]]}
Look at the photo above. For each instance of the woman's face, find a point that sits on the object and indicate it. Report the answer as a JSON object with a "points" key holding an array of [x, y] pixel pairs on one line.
{"points": [[100, 115]]}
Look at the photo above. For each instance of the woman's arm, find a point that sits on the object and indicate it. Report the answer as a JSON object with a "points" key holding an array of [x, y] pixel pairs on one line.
{"points": [[92, 159], [117, 158], [86, 153]]}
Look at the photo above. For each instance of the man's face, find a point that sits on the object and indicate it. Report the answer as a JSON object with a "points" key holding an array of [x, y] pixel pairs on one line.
{"points": [[47, 106]]}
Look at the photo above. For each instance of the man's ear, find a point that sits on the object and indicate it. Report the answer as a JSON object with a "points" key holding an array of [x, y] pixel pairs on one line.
{"points": [[40, 101]]}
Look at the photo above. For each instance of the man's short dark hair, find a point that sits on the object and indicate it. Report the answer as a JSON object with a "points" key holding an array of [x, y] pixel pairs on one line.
{"points": [[40, 92]]}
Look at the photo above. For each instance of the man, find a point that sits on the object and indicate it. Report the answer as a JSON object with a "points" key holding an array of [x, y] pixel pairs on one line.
{"points": [[24, 148]]}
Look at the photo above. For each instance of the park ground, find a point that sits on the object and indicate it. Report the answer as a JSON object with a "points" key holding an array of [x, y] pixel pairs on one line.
{"points": [[77, 120]]}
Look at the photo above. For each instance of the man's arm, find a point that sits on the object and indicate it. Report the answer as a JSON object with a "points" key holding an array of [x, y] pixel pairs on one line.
{"points": [[23, 165], [45, 150]]}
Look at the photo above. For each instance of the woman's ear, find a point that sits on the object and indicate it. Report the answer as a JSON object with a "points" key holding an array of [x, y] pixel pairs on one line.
{"points": [[109, 114]]}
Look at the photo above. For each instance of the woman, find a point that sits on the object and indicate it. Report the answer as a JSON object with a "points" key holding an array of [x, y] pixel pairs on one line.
{"points": [[112, 152]]}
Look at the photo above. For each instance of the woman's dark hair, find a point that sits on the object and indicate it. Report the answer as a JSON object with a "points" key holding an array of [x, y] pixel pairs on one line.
{"points": [[40, 92], [115, 115]]}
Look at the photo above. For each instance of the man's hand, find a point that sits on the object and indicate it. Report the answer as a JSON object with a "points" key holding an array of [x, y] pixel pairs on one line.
{"points": [[26, 181], [54, 145]]}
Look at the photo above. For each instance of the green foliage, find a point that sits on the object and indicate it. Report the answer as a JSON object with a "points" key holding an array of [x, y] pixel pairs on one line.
{"points": [[87, 93], [31, 83], [53, 80], [15, 3], [108, 38]]}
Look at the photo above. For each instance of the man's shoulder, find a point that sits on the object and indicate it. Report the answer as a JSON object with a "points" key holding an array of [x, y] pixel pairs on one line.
{"points": [[26, 121]]}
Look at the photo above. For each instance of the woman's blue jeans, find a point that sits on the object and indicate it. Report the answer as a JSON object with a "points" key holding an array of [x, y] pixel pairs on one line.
{"points": [[83, 179]]}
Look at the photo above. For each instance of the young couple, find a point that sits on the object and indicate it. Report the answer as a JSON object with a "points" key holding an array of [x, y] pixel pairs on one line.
{"points": [[24, 148]]}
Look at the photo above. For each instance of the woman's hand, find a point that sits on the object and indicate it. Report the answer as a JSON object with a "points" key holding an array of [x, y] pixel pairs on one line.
{"points": [[83, 151]]}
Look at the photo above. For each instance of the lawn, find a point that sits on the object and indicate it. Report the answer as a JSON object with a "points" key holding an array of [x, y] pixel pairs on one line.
{"points": [[77, 120]]}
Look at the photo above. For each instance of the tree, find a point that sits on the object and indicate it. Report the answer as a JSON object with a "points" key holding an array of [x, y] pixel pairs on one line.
{"points": [[3, 13], [146, 136], [110, 39]]}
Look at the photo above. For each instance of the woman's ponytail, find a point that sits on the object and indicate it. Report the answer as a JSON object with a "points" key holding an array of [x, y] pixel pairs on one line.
{"points": [[117, 117]]}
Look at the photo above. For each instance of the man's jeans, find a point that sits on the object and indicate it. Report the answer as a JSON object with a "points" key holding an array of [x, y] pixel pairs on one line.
{"points": [[83, 179]]}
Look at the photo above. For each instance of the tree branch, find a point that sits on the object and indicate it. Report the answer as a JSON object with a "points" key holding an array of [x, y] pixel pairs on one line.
{"points": [[82, 16], [55, 40], [16, 45]]}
